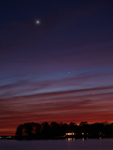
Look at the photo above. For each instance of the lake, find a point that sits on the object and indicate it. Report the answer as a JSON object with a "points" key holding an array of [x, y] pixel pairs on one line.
{"points": [[78, 144]]}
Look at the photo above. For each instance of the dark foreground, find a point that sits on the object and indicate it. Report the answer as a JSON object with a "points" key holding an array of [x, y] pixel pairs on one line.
{"points": [[69, 144], [61, 131]]}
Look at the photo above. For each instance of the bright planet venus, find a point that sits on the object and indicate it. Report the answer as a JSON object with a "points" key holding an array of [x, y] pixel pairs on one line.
{"points": [[37, 22]]}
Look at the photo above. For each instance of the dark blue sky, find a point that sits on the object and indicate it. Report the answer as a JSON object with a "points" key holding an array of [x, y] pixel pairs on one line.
{"points": [[63, 65]]}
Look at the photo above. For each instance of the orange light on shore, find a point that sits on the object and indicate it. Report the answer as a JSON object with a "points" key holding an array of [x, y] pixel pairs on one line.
{"points": [[71, 133]]}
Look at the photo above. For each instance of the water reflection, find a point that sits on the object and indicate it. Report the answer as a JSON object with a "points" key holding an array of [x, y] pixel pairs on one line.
{"points": [[70, 139], [68, 144], [82, 139]]}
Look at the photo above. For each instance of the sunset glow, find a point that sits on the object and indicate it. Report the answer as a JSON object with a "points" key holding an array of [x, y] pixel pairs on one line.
{"points": [[59, 70]]}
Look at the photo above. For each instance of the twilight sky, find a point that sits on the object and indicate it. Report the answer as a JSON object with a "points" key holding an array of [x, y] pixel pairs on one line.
{"points": [[60, 69]]}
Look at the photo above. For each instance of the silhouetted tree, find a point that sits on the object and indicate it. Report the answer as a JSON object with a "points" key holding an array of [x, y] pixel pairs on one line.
{"points": [[19, 131], [54, 130], [45, 130], [37, 130]]}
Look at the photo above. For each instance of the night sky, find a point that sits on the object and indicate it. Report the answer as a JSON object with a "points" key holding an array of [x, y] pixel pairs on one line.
{"points": [[56, 62]]}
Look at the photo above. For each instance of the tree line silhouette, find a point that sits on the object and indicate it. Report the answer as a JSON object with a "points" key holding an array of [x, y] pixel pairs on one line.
{"points": [[55, 130]]}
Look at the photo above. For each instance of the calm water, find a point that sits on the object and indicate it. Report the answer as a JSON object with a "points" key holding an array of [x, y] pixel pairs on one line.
{"points": [[90, 144]]}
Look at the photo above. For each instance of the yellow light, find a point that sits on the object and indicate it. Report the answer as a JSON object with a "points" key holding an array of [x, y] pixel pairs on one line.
{"points": [[70, 133]]}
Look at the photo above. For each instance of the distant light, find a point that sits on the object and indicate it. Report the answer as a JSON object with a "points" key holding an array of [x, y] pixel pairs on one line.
{"points": [[70, 133], [37, 22], [8, 137]]}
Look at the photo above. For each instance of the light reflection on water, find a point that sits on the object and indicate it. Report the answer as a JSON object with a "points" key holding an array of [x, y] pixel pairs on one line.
{"points": [[68, 144]]}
